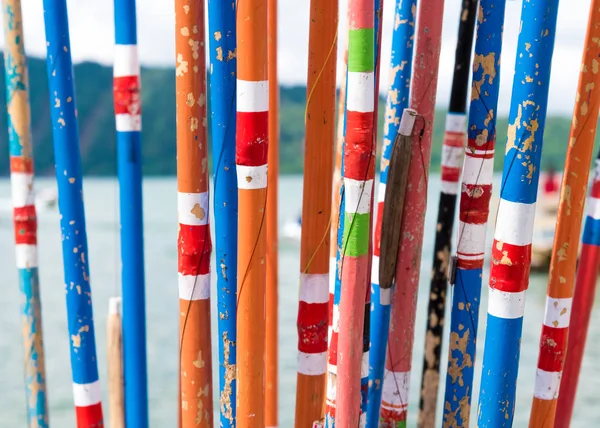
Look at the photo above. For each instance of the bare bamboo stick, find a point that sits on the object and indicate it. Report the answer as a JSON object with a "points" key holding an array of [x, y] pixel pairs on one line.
{"points": [[114, 360]]}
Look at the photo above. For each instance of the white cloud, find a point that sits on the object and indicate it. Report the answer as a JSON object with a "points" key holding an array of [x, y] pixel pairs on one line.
{"points": [[92, 35]]}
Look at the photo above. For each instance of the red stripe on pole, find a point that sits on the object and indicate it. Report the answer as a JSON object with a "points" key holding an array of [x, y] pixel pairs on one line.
{"points": [[358, 152], [454, 139], [470, 264], [89, 416], [510, 267], [252, 138], [450, 174], [195, 247], [475, 202], [393, 415], [127, 95], [486, 149], [312, 330], [595, 189], [333, 348], [21, 164], [552, 348], [25, 225], [583, 302]]}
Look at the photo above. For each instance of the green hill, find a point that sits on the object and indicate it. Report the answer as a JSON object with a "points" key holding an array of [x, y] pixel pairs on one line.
{"points": [[96, 122]]}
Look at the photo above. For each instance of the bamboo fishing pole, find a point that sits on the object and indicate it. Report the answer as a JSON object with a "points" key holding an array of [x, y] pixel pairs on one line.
{"points": [[404, 298], [585, 285], [114, 360], [453, 150], [251, 159], [222, 42], [511, 250], [316, 213], [565, 250], [194, 242], [84, 362], [336, 231], [272, 320], [24, 213], [127, 103], [397, 101], [358, 173]]}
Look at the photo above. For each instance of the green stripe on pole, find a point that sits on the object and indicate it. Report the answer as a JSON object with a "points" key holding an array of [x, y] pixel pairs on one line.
{"points": [[361, 50], [356, 234]]}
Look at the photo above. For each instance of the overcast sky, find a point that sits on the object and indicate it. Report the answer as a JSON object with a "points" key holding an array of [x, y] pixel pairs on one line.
{"points": [[92, 37]]}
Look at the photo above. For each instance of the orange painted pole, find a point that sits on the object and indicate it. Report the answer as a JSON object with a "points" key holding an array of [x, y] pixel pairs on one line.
{"points": [[194, 244], [316, 213], [555, 330], [272, 214], [251, 159]]}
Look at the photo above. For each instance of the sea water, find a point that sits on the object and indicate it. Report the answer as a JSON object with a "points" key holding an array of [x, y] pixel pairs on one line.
{"points": [[162, 310]]}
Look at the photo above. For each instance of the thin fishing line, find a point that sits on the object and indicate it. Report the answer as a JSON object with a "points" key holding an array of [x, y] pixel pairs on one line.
{"points": [[308, 99], [325, 235], [312, 89]]}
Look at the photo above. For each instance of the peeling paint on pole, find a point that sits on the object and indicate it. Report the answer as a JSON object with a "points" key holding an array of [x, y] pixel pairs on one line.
{"points": [[24, 213], [252, 144], [404, 296], [397, 101], [559, 302], [358, 173], [453, 150], [84, 362], [127, 102], [511, 249], [475, 196], [194, 242], [336, 233], [222, 43]]}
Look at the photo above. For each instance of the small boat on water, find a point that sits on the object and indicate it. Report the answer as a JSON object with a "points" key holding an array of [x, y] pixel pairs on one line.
{"points": [[292, 229], [45, 199]]}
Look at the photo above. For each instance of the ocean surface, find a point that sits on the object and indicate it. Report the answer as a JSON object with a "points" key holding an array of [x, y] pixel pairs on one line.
{"points": [[160, 222]]}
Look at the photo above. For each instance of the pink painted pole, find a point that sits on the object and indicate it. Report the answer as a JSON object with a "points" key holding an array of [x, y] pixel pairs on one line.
{"points": [[394, 404]]}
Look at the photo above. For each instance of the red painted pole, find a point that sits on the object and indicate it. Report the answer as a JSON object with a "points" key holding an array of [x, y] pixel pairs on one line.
{"points": [[394, 404]]}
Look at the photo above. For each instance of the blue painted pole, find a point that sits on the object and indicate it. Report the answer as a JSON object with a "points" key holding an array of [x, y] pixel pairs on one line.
{"points": [[127, 101], [511, 249], [222, 42], [397, 101], [24, 213], [65, 133], [476, 193]]}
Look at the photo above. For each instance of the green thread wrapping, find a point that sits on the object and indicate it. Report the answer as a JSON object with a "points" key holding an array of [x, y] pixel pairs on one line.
{"points": [[356, 234], [361, 50]]}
